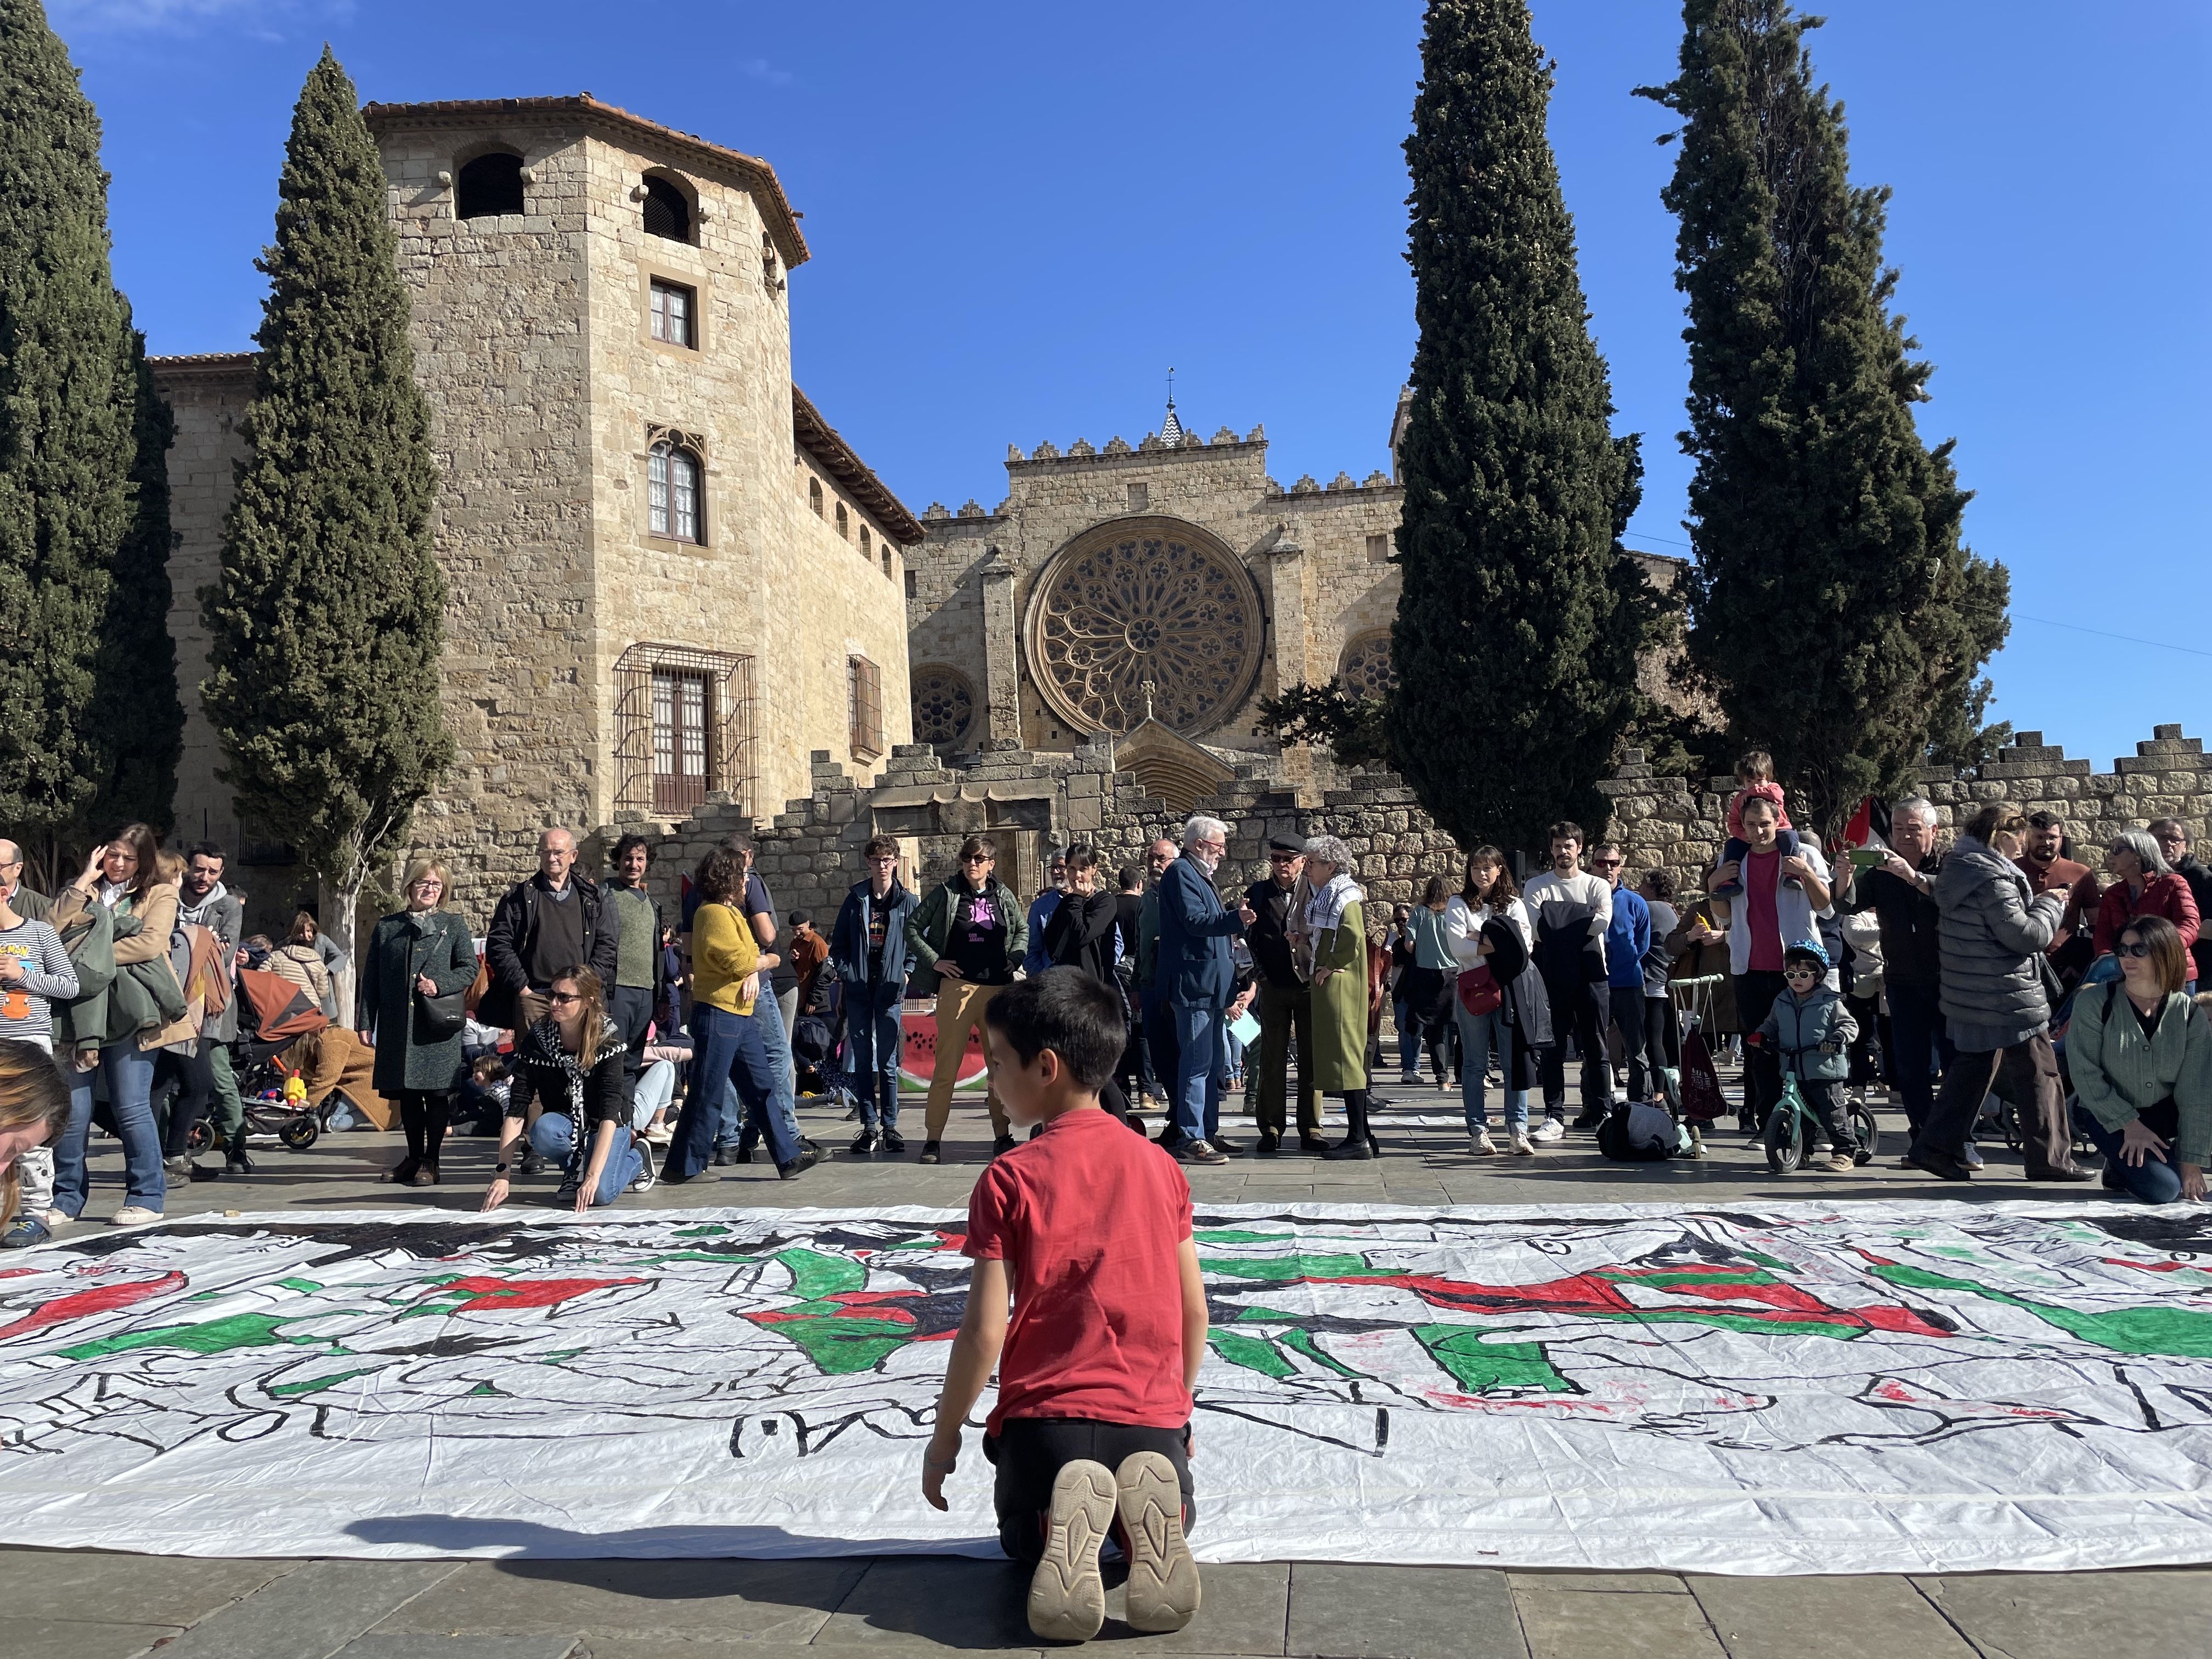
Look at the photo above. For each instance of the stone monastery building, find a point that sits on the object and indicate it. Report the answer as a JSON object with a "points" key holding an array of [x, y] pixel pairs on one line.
{"points": [[671, 584]]}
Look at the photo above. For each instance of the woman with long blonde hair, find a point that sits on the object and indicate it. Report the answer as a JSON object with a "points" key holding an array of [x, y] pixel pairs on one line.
{"points": [[570, 1064], [34, 1108]]}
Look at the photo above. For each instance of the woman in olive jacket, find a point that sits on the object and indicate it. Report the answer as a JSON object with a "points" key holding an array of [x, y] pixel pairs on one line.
{"points": [[419, 951]]}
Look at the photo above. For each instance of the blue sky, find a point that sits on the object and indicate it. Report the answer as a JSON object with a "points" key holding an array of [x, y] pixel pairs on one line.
{"points": [[1022, 215]]}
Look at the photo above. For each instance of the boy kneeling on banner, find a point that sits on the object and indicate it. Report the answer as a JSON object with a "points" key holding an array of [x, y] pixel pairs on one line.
{"points": [[1087, 1229]]}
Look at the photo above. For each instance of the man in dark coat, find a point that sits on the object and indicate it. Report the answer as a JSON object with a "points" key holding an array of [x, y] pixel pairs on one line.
{"points": [[554, 921], [1196, 980]]}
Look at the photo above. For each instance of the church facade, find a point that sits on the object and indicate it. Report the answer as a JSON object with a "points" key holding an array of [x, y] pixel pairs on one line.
{"points": [[669, 578]]}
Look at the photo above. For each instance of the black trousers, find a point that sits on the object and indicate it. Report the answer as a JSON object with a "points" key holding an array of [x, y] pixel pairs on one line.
{"points": [[1627, 1002], [1576, 1011], [1663, 1035], [423, 1114], [1030, 1452], [1762, 1068], [630, 1007], [191, 1075]]}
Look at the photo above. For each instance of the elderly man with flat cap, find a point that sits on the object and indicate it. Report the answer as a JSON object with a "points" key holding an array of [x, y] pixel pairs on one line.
{"points": [[1283, 1004]]}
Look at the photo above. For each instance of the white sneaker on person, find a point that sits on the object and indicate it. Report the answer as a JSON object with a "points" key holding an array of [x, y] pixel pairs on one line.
{"points": [[643, 1181], [133, 1215], [1067, 1597], [1481, 1145], [1162, 1593], [57, 1219], [1520, 1145], [1551, 1129]]}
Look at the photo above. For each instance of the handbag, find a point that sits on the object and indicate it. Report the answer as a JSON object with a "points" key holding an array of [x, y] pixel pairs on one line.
{"points": [[1480, 992], [437, 1017]]}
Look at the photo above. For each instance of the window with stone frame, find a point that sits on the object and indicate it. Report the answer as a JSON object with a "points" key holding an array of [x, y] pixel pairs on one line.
{"points": [[814, 495], [913, 585], [864, 703], [672, 496], [1378, 549], [489, 186], [887, 561], [1141, 498], [683, 728], [674, 308], [1366, 669], [868, 544], [667, 210], [844, 523]]}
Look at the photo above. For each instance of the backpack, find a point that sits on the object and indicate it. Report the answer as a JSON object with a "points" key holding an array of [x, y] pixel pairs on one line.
{"points": [[1636, 1132], [1702, 1100]]}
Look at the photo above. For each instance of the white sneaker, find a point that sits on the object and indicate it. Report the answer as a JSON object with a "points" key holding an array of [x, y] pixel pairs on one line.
{"points": [[133, 1215], [57, 1219], [643, 1181], [1551, 1129], [1520, 1145], [1482, 1145]]}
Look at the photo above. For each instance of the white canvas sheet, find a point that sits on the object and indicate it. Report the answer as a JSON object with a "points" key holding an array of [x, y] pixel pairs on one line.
{"points": [[1775, 1388]]}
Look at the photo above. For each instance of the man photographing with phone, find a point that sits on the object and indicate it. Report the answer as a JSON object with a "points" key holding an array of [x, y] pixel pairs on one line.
{"points": [[1899, 885]]}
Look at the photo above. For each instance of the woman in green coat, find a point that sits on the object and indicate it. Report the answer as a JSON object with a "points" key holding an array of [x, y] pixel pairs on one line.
{"points": [[419, 951], [1335, 929]]}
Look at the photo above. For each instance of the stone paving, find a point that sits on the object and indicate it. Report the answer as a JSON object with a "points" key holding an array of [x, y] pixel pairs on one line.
{"points": [[87, 1605]]}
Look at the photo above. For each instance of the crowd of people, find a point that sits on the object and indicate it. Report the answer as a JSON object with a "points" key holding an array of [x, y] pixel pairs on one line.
{"points": [[621, 1046]]}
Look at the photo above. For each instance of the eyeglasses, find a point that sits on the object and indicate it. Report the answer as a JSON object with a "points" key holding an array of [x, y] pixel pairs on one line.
{"points": [[1283, 858], [564, 998], [2137, 949], [885, 863], [1801, 973]]}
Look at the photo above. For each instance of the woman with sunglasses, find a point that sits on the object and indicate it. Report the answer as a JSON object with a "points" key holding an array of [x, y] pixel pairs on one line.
{"points": [[2141, 1054], [2146, 886], [569, 1063]]}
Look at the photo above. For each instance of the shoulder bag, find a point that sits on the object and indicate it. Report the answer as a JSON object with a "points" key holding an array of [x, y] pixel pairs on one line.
{"points": [[437, 1017]]}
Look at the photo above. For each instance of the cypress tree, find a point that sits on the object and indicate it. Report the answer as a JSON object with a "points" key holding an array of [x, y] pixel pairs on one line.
{"points": [[1835, 617], [327, 619], [83, 512], [1518, 627]]}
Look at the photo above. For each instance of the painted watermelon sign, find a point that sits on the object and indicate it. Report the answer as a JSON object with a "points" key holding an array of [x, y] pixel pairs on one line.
{"points": [[918, 1052]]}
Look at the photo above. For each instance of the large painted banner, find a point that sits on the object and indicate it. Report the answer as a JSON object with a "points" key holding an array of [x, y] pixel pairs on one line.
{"points": [[1780, 1389]]}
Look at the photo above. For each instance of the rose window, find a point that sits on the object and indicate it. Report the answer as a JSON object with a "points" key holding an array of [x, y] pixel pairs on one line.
{"points": [[944, 706], [1367, 670], [1148, 616]]}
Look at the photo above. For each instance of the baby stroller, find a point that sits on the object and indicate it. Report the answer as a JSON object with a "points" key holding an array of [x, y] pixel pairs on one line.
{"points": [[273, 1014]]}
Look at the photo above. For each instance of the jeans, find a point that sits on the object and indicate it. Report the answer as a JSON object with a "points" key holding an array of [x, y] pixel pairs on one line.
{"points": [[1409, 1040], [1916, 1033], [1576, 1010], [1627, 1007], [783, 1101], [1282, 1014], [554, 1137], [129, 1075], [727, 1053], [2154, 1181], [1477, 1034], [874, 1037], [656, 1087], [193, 1075], [1201, 1069]]}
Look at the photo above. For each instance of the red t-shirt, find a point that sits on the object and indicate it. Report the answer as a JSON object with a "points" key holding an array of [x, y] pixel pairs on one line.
{"points": [[1762, 874], [1090, 1220]]}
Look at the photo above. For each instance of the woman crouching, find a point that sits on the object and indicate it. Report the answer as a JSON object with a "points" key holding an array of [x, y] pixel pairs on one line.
{"points": [[570, 1064]]}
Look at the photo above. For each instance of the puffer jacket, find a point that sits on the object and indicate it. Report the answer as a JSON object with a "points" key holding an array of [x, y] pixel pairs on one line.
{"points": [[1992, 931], [1811, 1038]]}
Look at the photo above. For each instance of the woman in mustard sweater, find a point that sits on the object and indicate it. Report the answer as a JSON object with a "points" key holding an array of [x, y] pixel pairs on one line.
{"points": [[725, 1043]]}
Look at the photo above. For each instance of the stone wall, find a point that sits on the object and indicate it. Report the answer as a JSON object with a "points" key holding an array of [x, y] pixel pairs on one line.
{"points": [[809, 854]]}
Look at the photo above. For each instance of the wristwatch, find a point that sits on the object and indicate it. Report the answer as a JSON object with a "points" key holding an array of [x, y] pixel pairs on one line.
{"points": [[500, 1168]]}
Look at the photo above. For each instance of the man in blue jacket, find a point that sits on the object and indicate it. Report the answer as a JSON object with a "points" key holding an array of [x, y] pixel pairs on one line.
{"points": [[1627, 937], [1196, 982], [868, 953]]}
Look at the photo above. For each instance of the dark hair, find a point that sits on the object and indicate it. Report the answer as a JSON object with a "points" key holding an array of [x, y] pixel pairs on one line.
{"points": [[721, 877], [490, 1066], [623, 846], [1567, 829], [733, 842], [1066, 1011], [879, 846], [1803, 953], [1435, 892], [2046, 819], [975, 844], [304, 929], [1761, 804], [1504, 886], [1661, 882], [204, 849], [142, 841], [800, 919], [1755, 766], [1082, 858], [1130, 877], [2168, 953]]}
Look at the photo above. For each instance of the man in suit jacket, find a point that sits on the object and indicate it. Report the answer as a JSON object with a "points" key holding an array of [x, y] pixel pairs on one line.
{"points": [[1196, 982]]}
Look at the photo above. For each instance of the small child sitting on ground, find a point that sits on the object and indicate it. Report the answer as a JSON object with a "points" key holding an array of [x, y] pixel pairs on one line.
{"points": [[1755, 772], [1087, 1229]]}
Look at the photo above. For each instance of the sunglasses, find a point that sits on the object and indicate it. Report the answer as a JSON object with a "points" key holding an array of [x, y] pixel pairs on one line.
{"points": [[565, 997], [2137, 949], [1801, 973], [977, 858]]}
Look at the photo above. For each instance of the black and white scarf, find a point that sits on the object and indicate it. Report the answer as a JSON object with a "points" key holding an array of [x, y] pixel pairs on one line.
{"points": [[547, 1052]]}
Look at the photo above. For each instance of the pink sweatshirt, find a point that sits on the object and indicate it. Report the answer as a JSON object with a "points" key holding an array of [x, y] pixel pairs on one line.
{"points": [[1769, 791]]}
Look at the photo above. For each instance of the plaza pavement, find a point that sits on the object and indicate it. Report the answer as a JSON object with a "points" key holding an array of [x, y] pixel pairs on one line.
{"points": [[89, 1605]]}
